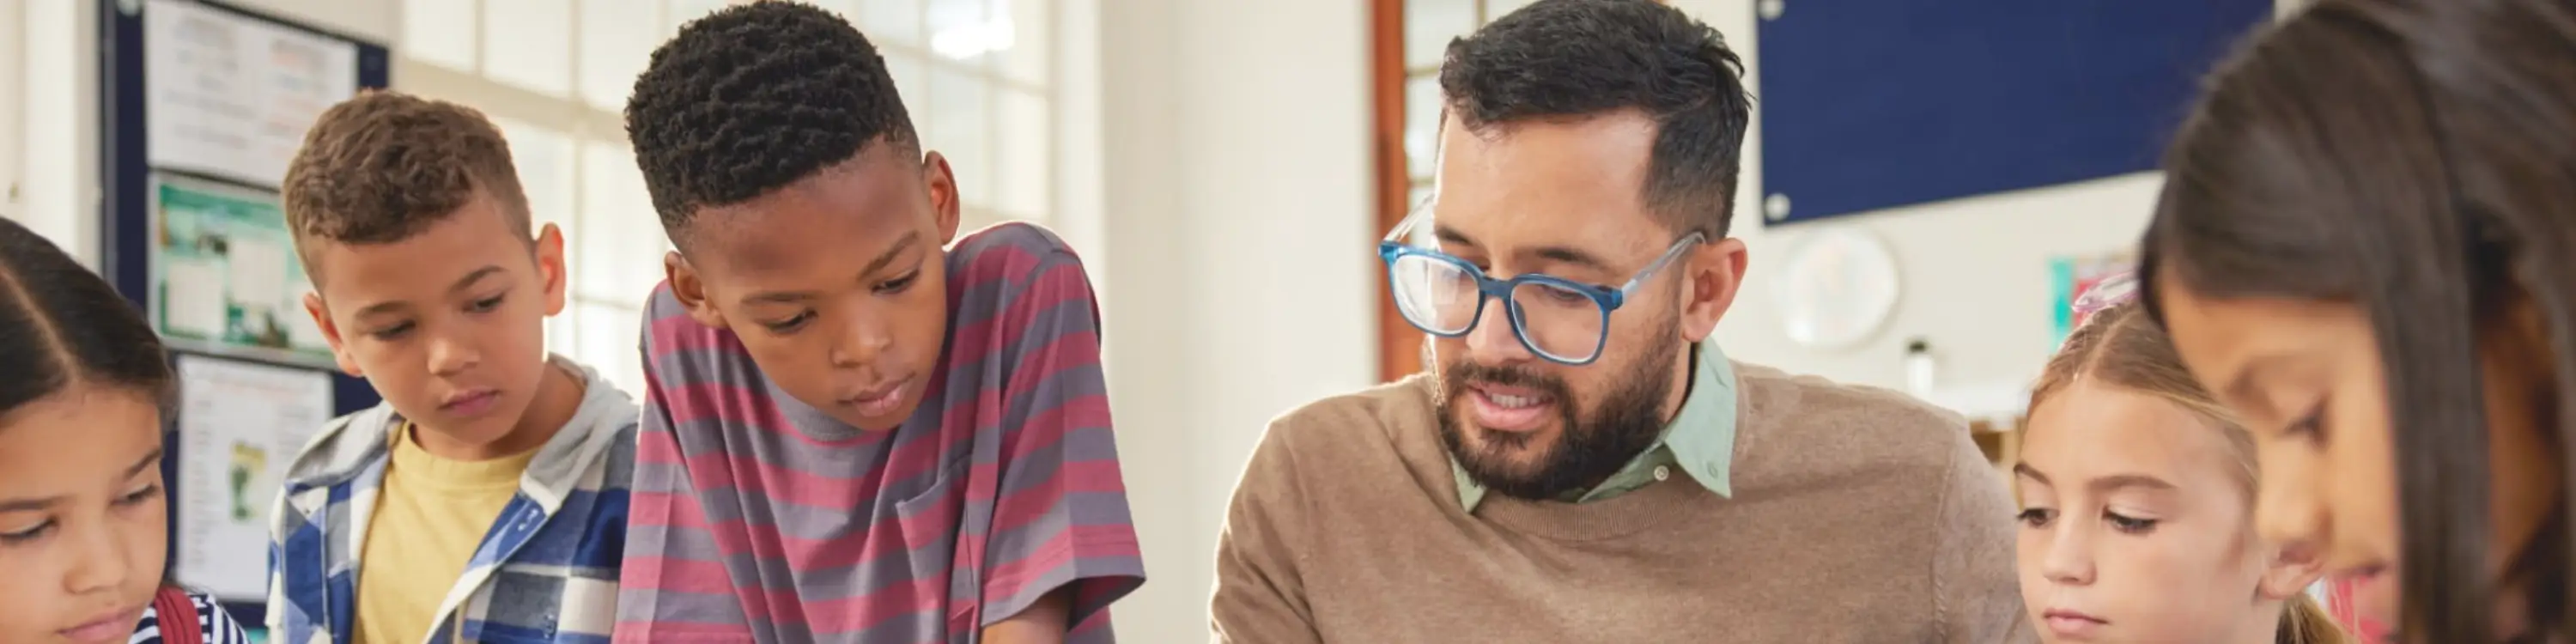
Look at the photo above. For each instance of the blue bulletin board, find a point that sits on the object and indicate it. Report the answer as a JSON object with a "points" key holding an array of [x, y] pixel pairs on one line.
{"points": [[201, 104], [1874, 104]]}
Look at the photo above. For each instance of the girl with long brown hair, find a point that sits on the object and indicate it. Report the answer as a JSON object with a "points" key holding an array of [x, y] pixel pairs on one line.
{"points": [[2366, 247]]}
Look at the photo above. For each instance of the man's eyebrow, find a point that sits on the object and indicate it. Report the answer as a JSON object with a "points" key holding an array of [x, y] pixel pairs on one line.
{"points": [[1451, 236], [1567, 255], [1555, 254]]}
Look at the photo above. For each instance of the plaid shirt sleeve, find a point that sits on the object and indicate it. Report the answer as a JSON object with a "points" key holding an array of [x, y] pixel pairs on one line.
{"points": [[300, 573]]}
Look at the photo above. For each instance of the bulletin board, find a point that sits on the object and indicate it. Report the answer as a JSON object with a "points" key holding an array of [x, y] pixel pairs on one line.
{"points": [[202, 103], [1875, 104], [211, 99], [225, 276]]}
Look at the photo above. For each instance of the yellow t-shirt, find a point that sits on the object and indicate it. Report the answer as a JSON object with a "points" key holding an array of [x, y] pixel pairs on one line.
{"points": [[430, 515]]}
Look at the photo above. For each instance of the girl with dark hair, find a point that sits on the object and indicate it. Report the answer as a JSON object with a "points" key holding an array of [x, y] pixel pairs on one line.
{"points": [[2366, 246], [83, 526]]}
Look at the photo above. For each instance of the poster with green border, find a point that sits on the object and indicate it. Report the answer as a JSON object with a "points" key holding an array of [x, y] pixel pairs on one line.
{"points": [[225, 276]]}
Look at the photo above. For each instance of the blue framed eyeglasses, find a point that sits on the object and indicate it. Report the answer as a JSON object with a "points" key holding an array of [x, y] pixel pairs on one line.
{"points": [[1558, 319]]}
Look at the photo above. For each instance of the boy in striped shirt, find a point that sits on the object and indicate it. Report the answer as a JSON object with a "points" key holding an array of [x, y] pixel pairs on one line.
{"points": [[851, 434]]}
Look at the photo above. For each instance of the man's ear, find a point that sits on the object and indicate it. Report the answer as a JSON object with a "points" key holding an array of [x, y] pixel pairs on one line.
{"points": [[691, 292], [2289, 572], [313, 306], [944, 202], [1713, 275]]}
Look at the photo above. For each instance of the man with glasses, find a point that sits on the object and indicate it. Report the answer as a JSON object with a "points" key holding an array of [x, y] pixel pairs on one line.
{"points": [[1581, 463]]}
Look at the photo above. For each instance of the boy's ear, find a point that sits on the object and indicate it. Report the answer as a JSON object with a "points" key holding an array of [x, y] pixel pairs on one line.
{"points": [[944, 202], [330, 333], [2289, 572], [691, 292], [550, 267]]}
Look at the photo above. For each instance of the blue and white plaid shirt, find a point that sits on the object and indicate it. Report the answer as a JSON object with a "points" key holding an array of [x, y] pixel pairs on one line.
{"points": [[545, 572]]}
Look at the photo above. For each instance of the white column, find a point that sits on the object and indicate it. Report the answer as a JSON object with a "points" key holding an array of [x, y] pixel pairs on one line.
{"points": [[58, 193]]}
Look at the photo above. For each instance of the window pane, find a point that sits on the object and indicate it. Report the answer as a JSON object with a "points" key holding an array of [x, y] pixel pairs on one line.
{"points": [[525, 41], [440, 32], [616, 40], [1421, 123], [563, 334], [1428, 26], [618, 246], [1032, 30], [544, 160], [683, 11], [1023, 164], [608, 340], [895, 21], [912, 83], [966, 30], [960, 128]]}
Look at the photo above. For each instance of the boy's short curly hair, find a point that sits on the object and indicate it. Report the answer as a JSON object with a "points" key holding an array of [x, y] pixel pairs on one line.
{"points": [[384, 166], [752, 98]]}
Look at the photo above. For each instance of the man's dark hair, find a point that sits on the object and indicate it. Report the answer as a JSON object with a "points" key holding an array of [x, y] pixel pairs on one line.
{"points": [[1573, 58], [383, 166], [755, 97]]}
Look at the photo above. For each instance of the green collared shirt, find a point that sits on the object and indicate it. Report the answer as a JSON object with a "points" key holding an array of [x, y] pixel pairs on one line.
{"points": [[1699, 442]]}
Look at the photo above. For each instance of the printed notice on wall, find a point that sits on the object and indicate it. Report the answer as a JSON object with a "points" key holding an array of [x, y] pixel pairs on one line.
{"points": [[229, 95], [225, 276], [240, 423]]}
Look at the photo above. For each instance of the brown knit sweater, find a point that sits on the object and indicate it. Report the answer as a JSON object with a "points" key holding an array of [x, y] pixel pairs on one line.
{"points": [[1858, 515]]}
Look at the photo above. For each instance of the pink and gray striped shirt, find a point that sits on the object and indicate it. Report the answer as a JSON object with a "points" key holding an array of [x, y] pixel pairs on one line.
{"points": [[757, 518]]}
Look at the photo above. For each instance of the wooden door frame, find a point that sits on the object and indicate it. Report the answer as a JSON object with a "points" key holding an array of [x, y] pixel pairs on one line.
{"points": [[1399, 344]]}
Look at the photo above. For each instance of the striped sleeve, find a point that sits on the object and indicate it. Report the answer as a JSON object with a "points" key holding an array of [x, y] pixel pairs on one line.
{"points": [[673, 586], [219, 624], [1060, 514], [211, 622]]}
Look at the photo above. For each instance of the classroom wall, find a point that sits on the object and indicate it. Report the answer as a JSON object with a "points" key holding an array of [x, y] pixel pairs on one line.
{"points": [[58, 140], [13, 120], [1974, 271], [1238, 189]]}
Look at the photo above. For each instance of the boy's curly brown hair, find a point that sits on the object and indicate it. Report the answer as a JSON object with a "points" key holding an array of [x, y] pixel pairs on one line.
{"points": [[384, 166]]}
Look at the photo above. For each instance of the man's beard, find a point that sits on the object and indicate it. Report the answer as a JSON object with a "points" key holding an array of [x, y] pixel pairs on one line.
{"points": [[1622, 424]]}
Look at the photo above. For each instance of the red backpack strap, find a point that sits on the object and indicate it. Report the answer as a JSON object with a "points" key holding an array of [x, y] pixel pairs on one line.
{"points": [[177, 616]]}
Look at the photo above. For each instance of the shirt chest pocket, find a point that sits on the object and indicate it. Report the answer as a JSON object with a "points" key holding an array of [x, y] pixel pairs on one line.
{"points": [[933, 521]]}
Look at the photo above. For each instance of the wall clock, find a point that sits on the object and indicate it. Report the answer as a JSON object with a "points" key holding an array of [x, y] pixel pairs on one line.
{"points": [[1836, 288]]}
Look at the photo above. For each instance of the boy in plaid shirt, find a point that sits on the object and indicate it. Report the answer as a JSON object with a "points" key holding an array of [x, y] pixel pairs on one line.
{"points": [[485, 500]]}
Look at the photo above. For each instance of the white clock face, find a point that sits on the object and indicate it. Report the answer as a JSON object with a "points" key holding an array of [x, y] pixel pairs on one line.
{"points": [[1837, 289]]}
